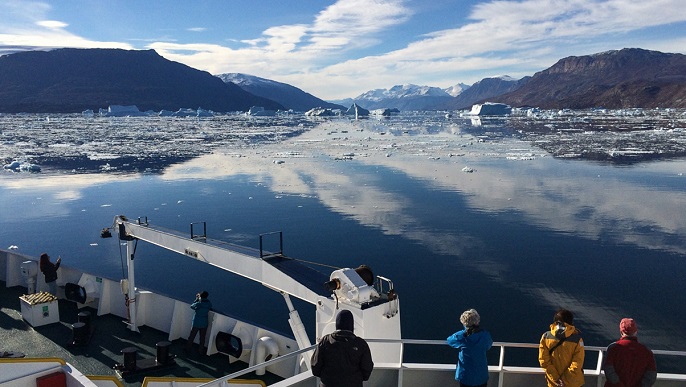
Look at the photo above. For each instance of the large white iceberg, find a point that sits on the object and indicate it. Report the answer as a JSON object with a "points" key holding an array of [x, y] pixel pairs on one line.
{"points": [[490, 109], [122, 111]]}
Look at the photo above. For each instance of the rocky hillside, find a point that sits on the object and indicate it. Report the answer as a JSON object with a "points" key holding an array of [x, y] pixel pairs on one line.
{"points": [[626, 78], [73, 80]]}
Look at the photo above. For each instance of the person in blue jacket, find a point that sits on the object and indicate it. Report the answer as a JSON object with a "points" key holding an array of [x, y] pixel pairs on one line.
{"points": [[473, 342], [202, 307]]}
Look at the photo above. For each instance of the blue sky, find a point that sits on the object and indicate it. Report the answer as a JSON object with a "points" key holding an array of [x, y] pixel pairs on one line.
{"points": [[338, 49]]}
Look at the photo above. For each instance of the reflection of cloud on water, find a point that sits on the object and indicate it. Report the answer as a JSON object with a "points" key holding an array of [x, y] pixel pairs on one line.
{"points": [[67, 183], [567, 196], [48, 195], [564, 196]]}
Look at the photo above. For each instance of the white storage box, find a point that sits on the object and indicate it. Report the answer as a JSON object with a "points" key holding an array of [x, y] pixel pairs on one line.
{"points": [[39, 309]]}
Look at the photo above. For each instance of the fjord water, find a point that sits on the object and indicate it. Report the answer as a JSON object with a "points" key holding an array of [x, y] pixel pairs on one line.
{"points": [[520, 236]]}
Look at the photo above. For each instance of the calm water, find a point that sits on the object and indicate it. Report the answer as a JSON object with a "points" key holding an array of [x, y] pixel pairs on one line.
{"points": [[522, 235]]}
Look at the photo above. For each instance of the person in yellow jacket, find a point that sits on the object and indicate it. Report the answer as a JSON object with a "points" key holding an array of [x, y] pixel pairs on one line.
{"points": [[561, 352]]}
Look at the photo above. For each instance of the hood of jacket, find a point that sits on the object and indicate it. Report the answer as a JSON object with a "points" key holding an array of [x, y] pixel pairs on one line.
{"points": [[561, 330]]}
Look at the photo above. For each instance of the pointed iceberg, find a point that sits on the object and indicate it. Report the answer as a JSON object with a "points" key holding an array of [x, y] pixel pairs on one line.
{"points": [[357, 111]]}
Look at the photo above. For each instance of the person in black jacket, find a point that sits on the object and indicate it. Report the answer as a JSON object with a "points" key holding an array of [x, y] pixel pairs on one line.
{"points": [[342, 359], [49, 269]]}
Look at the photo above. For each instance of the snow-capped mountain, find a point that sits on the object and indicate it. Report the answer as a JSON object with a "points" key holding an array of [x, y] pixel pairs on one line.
{"points": [[403, 97], [456, 90], [483, 90], [402, 91], [414, 97], [289, 96]]}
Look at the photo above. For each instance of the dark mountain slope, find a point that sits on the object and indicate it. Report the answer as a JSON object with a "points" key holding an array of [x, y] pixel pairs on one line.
{"points": [[72, 80], [615, 79], [485, 90], [289, 96]]}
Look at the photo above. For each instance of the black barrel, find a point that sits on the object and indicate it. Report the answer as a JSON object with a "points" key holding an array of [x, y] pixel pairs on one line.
{"points": [[85, 317], [162, 352], [129, 358], [79, 333]]}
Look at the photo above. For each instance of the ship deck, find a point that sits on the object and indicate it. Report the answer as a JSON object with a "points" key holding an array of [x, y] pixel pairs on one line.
{"points": [[109, 337]]}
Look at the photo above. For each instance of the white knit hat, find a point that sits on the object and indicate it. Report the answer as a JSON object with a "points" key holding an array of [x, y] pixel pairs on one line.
{"points": [[470, 318]]}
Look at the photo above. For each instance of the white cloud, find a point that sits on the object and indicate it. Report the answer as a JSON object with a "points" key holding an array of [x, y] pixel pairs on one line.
{"points": [[330, 57], [52, 24], [25, 24], [344, 26], [523, 36]]}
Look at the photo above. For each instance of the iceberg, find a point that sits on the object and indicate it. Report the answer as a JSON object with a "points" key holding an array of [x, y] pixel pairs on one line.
{"points": [[185, 113], [122, 111], [382, 112], [18, 166], [357, 111], [205, 113], [259, 111], [490, 109], [320, 112]]}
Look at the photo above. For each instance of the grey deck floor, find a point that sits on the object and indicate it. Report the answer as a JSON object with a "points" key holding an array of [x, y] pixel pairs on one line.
{"points": [[103, 350]]}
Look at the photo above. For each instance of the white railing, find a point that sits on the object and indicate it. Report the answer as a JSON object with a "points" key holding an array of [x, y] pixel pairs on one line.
{"points": [[519, 375]]}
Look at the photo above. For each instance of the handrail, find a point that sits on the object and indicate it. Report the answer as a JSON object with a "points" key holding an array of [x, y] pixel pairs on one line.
{"points": [[500, 368], [258, 366]]}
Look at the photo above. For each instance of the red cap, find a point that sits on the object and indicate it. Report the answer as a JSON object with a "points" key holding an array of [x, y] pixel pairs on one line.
{"points": [[628, 326]]}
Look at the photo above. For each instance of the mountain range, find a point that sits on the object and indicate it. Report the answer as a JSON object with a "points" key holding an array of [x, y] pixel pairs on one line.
{"points": [[289, 96], [404, 97], [73, 80], [413, 97], [625, 78]]}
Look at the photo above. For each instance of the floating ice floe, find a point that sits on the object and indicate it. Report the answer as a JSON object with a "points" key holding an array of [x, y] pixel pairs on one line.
{"points": [[185, 113], [381, 112], [204, 113], [107, 168], [259, 111], [122, 111], [320, 112], [490, 109], [468, 169], [18, 166]]}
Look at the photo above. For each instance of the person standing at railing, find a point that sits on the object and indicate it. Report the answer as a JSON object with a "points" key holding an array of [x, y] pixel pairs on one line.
{"points": [[473, 342], [561, 352], [202, 307], [49, 270], [342, 359], [628, 362]]}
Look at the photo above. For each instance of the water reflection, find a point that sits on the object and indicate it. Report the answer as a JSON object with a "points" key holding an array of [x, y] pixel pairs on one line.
{"points": [[577, 198], [509, 229]]}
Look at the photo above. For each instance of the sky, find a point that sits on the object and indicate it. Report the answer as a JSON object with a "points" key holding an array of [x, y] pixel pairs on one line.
{"points": [[341, 49]]}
